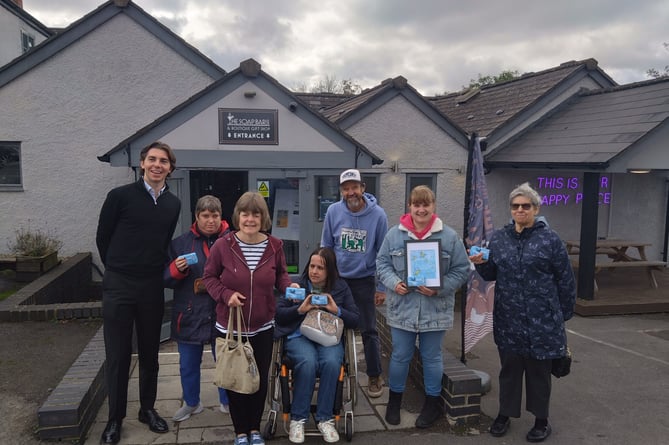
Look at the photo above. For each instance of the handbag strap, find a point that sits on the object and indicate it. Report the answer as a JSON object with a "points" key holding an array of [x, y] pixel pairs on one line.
{"points": [[229, 335]]}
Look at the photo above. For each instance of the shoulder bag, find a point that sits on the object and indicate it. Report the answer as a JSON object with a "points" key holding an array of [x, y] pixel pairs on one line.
{"points": [[322, 327], [562, 366], [236, 367]]}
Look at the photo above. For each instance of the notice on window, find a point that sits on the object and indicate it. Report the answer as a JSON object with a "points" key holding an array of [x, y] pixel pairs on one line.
{"points": [[286, 219]]}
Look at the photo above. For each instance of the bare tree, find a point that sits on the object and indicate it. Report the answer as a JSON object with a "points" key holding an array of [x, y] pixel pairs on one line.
{"points": [[654, 72], [330, 84]]}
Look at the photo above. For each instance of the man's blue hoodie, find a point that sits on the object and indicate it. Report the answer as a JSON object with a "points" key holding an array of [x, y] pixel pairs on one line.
{"points": [[355, 237]]}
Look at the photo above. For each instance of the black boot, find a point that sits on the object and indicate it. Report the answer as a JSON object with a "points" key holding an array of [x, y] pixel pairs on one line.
{"points": [[433, 408], [393, 408]]}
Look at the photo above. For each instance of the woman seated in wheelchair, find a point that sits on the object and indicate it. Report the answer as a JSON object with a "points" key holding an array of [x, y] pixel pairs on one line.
{"points": [[310, 359]]}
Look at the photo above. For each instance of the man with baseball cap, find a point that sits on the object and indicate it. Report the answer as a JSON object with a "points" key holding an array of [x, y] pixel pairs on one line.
{"points": [[355, 227]]}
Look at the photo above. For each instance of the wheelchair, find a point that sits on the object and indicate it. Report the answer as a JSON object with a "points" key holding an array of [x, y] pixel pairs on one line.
{"points": [[280, 389]]}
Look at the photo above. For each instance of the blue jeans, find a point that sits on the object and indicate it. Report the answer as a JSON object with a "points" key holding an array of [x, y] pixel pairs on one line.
{"points": [[309, 361], [190, 360], [430, 353], [363, 290]]}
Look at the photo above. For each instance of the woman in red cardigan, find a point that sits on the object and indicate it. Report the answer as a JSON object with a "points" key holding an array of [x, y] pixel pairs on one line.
{"points": [[243, 270]]}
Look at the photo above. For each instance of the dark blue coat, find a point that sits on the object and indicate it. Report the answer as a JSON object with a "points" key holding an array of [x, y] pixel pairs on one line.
{"points": [[535, 290], [193, 315]]}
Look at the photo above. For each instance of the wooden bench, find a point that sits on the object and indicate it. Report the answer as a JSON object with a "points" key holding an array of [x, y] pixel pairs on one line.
{"points": [[650, 266]]}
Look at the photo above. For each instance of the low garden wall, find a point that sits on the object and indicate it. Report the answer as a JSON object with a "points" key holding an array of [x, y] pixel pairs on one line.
{"points": [[64, 292]]}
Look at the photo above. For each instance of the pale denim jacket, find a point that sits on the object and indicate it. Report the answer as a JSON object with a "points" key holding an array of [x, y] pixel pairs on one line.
{"points": [[414, 311]]}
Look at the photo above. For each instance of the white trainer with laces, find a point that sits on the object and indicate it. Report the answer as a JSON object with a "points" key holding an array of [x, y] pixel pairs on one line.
{"points": [[296, 431], [186, 411], [329, 431]]}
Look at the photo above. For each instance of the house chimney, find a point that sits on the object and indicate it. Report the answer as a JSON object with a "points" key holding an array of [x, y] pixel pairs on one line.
{"points": [[121, 3], [19, 3]]}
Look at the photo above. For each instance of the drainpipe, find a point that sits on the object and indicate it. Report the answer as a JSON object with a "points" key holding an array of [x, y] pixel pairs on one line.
{"points": [[666, 226]]}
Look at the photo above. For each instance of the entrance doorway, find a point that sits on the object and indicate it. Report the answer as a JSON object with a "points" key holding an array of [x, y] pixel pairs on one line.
{"points": [[226, 185]]}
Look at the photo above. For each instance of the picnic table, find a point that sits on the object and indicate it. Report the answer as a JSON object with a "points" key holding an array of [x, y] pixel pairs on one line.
{"points": [[623, 254]]}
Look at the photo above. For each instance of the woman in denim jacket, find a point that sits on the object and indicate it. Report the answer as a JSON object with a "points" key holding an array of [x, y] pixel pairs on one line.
{"points": [[421, 311]]}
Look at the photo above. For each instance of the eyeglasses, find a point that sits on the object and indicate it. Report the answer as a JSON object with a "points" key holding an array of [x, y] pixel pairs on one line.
{"points": [[525, 206]]}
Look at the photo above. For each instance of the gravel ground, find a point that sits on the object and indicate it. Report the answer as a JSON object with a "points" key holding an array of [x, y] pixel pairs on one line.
{"points": [[34, 356]]}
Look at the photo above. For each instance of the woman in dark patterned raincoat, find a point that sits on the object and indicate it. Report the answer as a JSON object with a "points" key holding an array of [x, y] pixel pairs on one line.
{"points": [[535, 294]]}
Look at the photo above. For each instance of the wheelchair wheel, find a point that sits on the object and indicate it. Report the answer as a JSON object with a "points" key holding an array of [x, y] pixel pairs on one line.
{"points": [[270, 427], [352, 362], [348, 426]]}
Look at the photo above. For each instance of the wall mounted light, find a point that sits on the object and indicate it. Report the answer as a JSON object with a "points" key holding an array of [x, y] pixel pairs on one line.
{"points": [[292, 106], [249, 94], [394, 167], [638, 171]]}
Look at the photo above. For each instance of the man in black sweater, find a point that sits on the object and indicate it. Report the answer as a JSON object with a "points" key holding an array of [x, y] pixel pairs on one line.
{"points": [[136, 224]]}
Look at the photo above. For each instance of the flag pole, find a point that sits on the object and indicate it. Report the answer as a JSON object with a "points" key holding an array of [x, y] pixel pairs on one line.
{"points": [[463, 289]]}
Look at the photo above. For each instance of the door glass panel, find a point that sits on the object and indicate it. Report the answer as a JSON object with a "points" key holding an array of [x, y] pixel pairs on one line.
{"points": [[283, 201]]}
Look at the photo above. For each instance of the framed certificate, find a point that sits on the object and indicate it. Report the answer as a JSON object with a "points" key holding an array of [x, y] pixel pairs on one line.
{"points": [[423, 263]]}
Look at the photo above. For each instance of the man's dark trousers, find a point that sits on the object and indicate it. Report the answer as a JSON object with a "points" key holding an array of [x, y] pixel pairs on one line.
{"points": [[363, 290], [127, 301]]}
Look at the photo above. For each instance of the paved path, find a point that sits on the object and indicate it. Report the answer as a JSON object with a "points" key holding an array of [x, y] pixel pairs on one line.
{"points": [[617, 394]]}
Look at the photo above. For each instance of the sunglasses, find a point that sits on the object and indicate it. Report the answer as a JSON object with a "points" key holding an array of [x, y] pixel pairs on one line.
{"points": [[525, 206]]}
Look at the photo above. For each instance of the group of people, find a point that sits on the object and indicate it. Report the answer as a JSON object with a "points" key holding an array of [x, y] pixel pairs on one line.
{"points": [[359, 264]]}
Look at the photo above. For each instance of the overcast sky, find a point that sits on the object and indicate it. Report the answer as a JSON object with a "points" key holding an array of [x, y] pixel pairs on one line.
{"points": [[438, 45]]}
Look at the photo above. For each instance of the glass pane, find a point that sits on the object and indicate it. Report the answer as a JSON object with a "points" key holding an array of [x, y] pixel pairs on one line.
{"points": [[284, 209], [415, 180], [10, 166], [327, 194]]}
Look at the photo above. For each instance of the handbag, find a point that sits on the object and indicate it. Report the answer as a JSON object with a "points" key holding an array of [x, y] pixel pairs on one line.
{"points": [[322, 327], [562, 365], [236, 367]]}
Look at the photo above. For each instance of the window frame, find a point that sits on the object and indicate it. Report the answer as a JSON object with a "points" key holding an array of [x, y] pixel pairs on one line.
{"points": [[428, 179], [15, 145], [27, 41]]}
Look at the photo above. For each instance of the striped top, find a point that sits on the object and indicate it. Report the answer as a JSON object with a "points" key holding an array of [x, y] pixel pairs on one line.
{"points": [[252, 252]]}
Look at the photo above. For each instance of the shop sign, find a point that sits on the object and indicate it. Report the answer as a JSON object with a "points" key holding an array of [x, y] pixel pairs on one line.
{"points": [[248, 126]]}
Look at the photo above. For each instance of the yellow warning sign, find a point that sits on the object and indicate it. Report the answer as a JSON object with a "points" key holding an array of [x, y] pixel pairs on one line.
{"points": [[263, 188]]}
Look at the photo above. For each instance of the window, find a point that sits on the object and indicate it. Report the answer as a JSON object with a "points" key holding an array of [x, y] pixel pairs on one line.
{"points": [[10, 164], [416, 179], [328, 191], [371, 185], [27, 41]]}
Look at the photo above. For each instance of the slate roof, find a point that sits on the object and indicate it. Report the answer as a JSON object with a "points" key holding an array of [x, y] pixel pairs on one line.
{"points": [[322, 101], [354, 109], [487, 109], [343, 109], [591, 129]]}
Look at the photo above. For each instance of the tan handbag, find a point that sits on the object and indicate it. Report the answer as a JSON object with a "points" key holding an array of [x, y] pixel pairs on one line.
{"points": [[236, 367]]}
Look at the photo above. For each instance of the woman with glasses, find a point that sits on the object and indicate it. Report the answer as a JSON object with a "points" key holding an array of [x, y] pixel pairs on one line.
{"points": [[535, 294]]}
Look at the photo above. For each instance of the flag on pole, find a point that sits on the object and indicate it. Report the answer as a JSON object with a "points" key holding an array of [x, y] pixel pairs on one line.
{"points": [[480, 293]]}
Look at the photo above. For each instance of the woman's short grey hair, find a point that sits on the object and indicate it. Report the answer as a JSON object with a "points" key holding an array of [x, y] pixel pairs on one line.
{"points": [[528, 192], [208, 202]]}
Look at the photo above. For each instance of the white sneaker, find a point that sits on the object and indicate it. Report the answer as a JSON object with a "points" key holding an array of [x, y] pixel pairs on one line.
{"points": [[225, 409], [296, 432], [328, 431], [186, 411]]}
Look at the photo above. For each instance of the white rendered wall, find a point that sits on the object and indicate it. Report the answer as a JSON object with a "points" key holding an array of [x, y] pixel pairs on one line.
{"points": [[76, 106], [399, 132], [10, 35]]}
